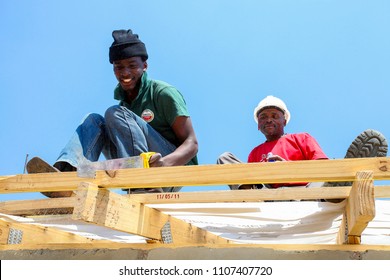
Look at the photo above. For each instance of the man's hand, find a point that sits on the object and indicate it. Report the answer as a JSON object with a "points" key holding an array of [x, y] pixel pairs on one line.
{"points": [[156, 160], [271, 158]]}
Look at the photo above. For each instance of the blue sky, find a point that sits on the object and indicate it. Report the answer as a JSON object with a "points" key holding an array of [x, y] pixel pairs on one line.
{"points": [[328, 60]]}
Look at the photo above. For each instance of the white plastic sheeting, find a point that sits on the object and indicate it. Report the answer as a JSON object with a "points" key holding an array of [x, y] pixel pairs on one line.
{"points": [[304, 222]]}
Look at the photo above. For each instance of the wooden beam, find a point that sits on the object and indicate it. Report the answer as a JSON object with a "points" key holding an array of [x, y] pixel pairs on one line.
{"points": [[31, 249], [65, 205], [48, 206], [23, 233], [244, 195], [253, 195], [204, 175], [41, 182], [382, 191], [105, 208], [359, 209], [247, 173]]}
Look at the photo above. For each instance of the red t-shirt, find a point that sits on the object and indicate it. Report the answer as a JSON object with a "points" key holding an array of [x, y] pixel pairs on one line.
{"points": [[299, 146]]}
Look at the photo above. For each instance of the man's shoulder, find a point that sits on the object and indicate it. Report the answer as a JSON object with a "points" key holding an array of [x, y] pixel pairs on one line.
{"points": [[302, 138], [164, 90], [161, 85], [298, 135]]}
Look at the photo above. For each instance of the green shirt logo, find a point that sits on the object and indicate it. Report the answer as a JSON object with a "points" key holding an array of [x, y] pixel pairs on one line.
{"points": [[147, 115]]}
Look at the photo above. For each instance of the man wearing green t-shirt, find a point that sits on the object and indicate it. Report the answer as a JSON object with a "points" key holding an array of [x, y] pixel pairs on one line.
{"points": [[151, 117]]}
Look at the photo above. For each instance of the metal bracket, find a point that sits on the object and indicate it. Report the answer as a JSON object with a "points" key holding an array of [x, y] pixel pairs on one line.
{"points": [[166, 233], [346, 228], [15, 236]]}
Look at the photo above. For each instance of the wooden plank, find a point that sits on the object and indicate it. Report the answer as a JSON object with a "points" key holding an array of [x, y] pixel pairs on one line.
{"points": [[204, 175], [248, 173], [363, 248], [52, 206], [244, 195], [65, 205], [382, 191], [36, 234], [105, 208], [360, 207], [253, 195], [41, 182]]}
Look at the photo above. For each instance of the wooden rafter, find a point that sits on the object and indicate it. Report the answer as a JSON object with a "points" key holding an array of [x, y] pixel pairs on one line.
{"points": [[359, 209], [24, 233], [53, 206], [253, 195], [103, 207], [65, 205], [94, 203], [204, 175]]}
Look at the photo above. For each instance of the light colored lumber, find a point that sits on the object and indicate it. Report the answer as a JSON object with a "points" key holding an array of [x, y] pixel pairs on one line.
{"points": [[359, 209], [36, 234], [248, 173], [292, 193], [49, 206], [65, 205], [204, 175], [382, 191], [105, 208], [249, 195], [41, 182], [363, 248]]}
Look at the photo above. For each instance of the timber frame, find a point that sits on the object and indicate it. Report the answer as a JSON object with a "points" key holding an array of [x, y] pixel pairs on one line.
{"points": [[95, 203]]}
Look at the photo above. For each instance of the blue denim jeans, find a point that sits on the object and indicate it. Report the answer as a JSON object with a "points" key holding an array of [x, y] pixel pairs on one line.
{"points": [[120, 133]]}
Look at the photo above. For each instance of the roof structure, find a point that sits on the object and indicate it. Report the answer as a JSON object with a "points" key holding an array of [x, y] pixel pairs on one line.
{"points": [[289, 223]]}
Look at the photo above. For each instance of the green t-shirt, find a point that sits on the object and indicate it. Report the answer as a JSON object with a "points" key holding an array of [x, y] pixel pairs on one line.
{"points": [[158, 103]]}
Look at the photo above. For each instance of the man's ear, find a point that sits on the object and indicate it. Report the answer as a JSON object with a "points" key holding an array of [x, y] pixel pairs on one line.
{"points": [[145, 66]]}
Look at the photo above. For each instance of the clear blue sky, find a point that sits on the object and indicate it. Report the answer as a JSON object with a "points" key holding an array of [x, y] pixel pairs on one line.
{"points": [[329, 60]]}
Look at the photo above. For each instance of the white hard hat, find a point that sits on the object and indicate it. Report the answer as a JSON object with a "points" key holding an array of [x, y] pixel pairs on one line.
{"points": [[271, 101]]}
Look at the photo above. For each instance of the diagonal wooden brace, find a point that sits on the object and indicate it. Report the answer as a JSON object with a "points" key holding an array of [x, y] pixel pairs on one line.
{"points": [[105, 208], [359, 209]]}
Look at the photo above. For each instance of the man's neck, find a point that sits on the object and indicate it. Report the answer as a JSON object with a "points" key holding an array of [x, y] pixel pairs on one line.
{"points": [[131, 95], [271, 138]]}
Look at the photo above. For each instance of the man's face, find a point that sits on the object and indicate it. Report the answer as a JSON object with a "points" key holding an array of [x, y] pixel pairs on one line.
{"points": [[271, 123], [129, 71]]}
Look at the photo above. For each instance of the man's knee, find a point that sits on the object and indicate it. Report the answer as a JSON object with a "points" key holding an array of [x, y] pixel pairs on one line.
{"points": [[113, 112], [93, 118], [116, 113]]}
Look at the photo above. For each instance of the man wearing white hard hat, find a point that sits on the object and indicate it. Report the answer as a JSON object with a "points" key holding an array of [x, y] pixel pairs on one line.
{"points": [[271, 116]]}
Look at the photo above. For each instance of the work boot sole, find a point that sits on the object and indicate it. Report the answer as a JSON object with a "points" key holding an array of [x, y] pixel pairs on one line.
{"points": [[370, 143], [38, 165]]}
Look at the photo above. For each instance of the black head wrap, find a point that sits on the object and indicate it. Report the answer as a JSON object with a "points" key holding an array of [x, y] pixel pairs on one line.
{"points": [[126, 45]]}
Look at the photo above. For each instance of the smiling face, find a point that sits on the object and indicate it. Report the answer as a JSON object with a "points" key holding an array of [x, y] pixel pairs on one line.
{"points": [[271, 123], [129, 72]]}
